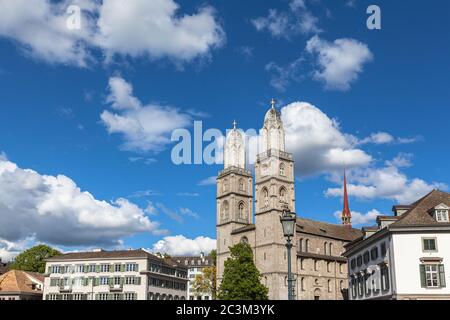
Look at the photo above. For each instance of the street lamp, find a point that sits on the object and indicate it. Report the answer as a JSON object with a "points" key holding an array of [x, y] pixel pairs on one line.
{"points": [[288, 220]]}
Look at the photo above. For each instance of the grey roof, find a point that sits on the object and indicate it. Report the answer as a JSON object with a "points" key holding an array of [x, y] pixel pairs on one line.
{"points": [[328, 230], [420, 212], [118, 254]]}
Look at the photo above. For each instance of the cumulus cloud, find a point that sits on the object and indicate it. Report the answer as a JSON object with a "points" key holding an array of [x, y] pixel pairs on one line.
{"points": [[181, 246], [339, 63], [135, 28], [53, 209], [361, 218], [284, 24], [317, 142], [142, 127], [387, 182]]}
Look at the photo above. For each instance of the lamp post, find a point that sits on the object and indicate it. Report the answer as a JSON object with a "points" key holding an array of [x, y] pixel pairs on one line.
{"points": [[288, 220]]}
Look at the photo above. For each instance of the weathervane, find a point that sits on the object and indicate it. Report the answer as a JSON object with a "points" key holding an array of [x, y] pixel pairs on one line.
{"points": [[272, 102]]}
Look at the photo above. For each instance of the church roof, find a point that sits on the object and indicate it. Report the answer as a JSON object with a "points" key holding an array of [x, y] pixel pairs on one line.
{"points": [[420, 212], [328, 230]]}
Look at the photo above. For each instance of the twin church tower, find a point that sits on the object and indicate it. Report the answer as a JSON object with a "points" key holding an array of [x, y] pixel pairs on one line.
{"points": [[274, 188]]}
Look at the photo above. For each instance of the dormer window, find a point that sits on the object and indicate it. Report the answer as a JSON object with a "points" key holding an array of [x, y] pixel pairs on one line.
{"points": [[441, 213]]}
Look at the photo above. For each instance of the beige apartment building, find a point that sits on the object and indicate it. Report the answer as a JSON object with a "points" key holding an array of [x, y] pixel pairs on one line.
{"points": [[21, 285], [114, 275], [318, 266]]}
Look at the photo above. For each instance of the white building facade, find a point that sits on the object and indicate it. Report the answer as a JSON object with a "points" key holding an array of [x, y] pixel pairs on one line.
{"points": [[114, 275], [195, 265], [407, 256]]}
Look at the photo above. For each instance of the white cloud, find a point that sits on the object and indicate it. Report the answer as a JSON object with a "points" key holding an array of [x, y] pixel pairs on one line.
{"points": [[181, 246], [378, 138], [208, 181], [284, 24], [281, 76], [387, 182], [387, 138], [361, 218], [143, 127], [340, 62], [317, 142], [53, 209], [153, 29]]}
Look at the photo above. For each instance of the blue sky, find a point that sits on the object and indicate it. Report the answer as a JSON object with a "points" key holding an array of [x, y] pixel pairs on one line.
{"points": [[377, 98]]}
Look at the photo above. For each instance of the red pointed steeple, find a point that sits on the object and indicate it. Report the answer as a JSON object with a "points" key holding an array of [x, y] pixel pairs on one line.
{"points": [[346, 213]]}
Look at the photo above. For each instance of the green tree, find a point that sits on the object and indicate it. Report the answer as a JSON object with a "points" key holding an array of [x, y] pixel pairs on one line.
{"points": [[241, 280], [33, 259], [206, 282]]}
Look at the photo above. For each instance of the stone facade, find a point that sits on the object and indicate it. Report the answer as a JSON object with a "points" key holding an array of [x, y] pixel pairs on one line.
{"points": [[319, 273]]}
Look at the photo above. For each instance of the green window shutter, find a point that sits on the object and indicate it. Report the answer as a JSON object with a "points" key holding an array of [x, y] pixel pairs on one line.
{"points": [[122, 280], [122, 268], [96, 281], [110, 281], [423, 282], [96, 296], [137, 280], [97, 268], [49, 270], [442, 276], [85, 268]]}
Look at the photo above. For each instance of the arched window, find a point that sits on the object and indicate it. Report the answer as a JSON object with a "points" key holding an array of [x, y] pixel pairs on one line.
{"points": [[330, 249], [307, 245], [325, 245], [225, 185], [244, 240], [300, 245], [265, 196], [329, 267], [241, 185], [225, 210], [282, 169], [302, 284], [283, 193], [241, 210], [316, 265], [329, 286]]}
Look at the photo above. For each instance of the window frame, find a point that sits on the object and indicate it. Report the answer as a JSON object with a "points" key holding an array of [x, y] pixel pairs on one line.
{"points": [[428, 239]]}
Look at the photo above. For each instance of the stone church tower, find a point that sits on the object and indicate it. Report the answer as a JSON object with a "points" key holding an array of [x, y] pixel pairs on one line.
{"points": [[234, 195], [274, 188], [319, 269]]}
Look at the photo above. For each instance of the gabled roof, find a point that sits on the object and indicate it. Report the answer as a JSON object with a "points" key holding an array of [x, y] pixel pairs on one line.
{"points": [[420, 212], [20, 281], [323, 229]]}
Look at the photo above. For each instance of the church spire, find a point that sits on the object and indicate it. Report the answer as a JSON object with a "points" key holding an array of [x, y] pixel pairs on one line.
{"points": [[346, 213]]}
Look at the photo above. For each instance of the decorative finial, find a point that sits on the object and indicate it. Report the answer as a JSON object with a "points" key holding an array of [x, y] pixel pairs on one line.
{"points": [[272, 102], [234, 124]]}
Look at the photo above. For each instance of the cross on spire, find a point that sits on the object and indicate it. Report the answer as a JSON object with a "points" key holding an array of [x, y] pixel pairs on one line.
{"points": [[234, 124], [272, 102]]}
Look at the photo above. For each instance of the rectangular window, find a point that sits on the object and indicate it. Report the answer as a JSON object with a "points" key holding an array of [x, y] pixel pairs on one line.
{"points": [[131, 267], [117, 268], [104, 268], [374, 253], [366, 257], [383, 249], [359, 261], [130, 296], [431, 273], [429, 244], [353, 264], [103, 280], [92, 268]]}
